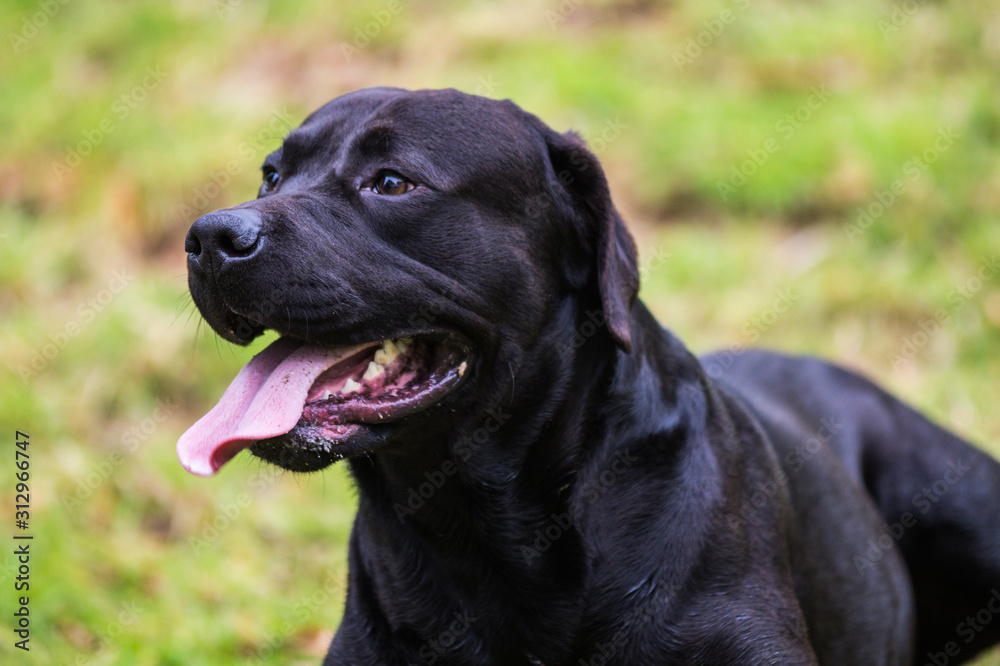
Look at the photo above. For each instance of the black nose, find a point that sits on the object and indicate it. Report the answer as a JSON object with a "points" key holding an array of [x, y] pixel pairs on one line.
{"points": [[223, 236]]}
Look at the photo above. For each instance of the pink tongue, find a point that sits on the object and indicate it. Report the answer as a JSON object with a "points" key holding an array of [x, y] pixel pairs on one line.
{"points": [[265, 400]]}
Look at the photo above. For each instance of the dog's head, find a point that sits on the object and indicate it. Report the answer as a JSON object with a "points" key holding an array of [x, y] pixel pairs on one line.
{"points": [[407, 246]]}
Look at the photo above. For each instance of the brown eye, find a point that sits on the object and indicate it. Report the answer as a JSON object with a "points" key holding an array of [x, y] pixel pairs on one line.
{"points": [[391, 183], [271, 178]]}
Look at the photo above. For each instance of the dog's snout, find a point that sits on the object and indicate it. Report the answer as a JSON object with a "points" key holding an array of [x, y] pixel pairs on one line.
{"points": [[222, 236]]}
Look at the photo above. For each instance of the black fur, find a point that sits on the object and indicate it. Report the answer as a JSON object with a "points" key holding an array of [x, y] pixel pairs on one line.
{"points": [[593, 493]]}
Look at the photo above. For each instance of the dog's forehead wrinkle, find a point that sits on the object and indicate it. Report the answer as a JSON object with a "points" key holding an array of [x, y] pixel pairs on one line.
{"points": [[445, 139], [297, 146], [452, 122], [323, 136], [311, 150]]}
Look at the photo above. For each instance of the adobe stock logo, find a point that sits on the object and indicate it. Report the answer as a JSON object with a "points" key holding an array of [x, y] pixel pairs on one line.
{"points": [[463, 449], [35, 23], [923, 502], [86, 312], [364, 34], [967, 629], [439, 646], [784, 129], [124, 105], [588, 493], [712, 30]]}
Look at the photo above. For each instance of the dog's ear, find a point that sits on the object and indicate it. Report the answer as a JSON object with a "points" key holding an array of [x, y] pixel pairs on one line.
{"points": [[580, 175]]}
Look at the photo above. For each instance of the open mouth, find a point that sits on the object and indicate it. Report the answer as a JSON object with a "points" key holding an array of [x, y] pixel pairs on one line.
{"points": [[294, 392]]}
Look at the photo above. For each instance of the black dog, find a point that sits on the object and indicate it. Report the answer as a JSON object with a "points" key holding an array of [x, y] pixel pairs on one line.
{"points": [[546, 475]]}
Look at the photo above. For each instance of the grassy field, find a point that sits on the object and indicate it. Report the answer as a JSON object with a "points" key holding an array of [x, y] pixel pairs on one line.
{"points": [[840, 159]]}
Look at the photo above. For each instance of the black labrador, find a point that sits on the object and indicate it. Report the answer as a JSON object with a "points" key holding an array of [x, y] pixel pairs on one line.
{"points": [[546, 475]]}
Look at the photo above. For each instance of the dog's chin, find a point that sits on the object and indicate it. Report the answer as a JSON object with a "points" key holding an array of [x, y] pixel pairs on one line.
{"points": [[309, 449]]}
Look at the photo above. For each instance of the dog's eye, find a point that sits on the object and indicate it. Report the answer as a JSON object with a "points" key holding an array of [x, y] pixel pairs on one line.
{"points": [[271, 178], [391, 183]]}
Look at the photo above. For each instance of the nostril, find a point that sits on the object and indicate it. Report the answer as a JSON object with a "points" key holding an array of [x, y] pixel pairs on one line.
{"points": [[239, 244], [191, 244], [224, 235]]}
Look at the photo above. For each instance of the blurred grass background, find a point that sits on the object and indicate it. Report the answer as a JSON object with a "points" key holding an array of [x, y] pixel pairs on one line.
{"points": [[743, 140]]}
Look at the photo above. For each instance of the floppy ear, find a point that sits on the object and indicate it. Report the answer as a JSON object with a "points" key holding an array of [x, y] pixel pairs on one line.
{"points": [[581, 176]]}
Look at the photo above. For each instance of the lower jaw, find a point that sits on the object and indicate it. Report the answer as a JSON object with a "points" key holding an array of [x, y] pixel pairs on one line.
{"points": [[309, 449], [313, 444]]}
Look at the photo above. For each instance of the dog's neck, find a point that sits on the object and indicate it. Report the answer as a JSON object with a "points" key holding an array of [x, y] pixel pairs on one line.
{"points": [[446, 522]]}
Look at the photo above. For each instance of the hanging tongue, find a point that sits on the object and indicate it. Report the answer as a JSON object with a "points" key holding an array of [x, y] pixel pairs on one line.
{"points": [[265, 400]]}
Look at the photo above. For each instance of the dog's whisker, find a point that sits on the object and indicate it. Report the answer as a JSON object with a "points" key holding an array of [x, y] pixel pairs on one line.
{"points": [[512, 380]]}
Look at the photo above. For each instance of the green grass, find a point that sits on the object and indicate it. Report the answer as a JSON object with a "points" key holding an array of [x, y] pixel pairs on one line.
{"points": [[119, 576]]}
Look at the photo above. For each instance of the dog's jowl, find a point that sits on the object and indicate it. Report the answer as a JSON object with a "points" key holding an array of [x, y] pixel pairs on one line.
{"points": [[545, 474]]}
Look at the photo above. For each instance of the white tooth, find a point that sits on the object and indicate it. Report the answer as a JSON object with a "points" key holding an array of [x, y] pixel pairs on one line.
{"points": [[461, 368], [374, 370], [350, 386], [326, 394], [387, 354]]}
